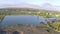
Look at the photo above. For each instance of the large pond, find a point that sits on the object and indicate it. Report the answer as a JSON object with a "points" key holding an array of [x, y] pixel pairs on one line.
{"points": [[22, 19]]}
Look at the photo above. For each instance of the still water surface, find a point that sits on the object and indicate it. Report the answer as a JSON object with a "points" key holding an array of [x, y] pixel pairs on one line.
{"points": [[22, 19]]}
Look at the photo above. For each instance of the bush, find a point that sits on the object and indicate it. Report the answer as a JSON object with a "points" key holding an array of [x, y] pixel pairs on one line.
{"points": [[42, 24], [56, 26]]}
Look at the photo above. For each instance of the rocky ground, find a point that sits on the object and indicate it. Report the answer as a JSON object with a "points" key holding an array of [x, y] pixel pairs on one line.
{"points": [[25, 30]]}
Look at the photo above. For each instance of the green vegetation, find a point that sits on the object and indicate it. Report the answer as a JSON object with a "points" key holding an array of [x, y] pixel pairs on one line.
{"points": [[56, 26], [16, 26], [28, 12], [44, 13], [41, 13], [1, 16], [51, 27]]}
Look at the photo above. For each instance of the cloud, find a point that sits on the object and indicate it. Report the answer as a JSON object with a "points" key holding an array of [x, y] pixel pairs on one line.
{"points": [[36, 2], [54, 2]]}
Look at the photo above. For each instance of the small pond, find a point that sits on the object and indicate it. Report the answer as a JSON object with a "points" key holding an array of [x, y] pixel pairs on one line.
{"points": [[22, 19]]}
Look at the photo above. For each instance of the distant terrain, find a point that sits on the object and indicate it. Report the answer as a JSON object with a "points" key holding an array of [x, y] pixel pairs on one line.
{"points": [[15, 11]]}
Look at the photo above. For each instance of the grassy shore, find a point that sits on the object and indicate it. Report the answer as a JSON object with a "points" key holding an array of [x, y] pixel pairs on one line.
{"points": [[1, 17]]}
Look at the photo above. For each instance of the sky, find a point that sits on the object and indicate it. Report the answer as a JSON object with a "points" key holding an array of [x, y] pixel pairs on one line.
{"points": [[36, 2]]}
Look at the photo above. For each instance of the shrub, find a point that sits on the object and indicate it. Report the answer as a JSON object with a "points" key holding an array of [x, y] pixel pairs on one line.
{"points": [[42, 24], [56, 26]]}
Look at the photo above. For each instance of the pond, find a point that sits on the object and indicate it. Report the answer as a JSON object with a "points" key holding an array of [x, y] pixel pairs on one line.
{"points": [[22, 19]]}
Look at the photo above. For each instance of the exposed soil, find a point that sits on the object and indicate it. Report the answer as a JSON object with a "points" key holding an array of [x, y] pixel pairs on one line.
{"points": [[25, 30]]}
